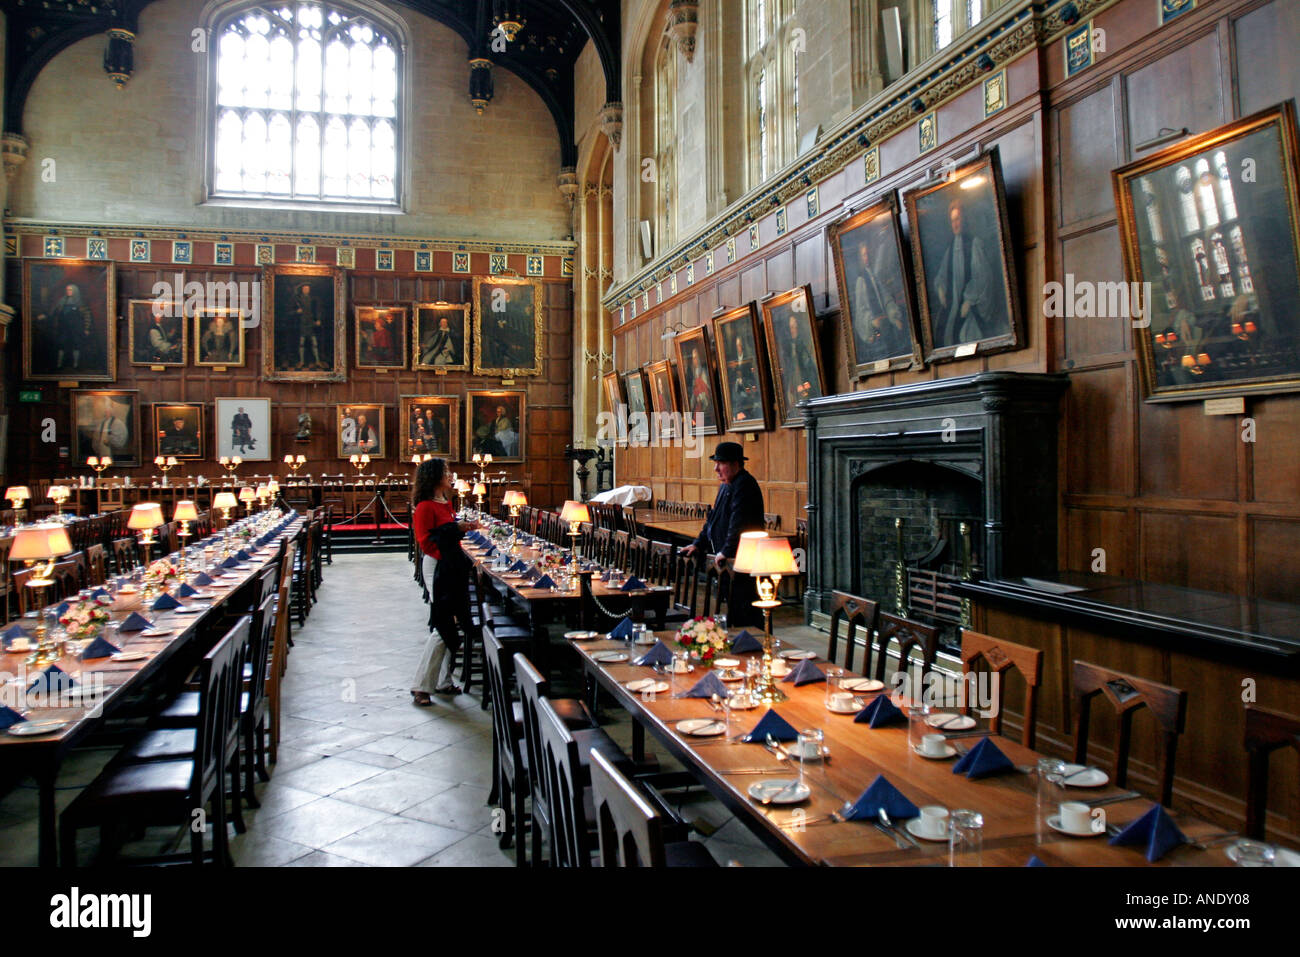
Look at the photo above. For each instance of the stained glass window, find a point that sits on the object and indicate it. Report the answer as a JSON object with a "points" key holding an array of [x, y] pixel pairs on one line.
{"points": [[306, 105]]}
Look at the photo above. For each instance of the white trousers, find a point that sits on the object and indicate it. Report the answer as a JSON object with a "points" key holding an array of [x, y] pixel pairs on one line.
{"points": [[433, 671]]}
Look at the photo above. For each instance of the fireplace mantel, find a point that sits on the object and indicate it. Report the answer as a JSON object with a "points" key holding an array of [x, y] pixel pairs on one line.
{"points": [[999, 428]]}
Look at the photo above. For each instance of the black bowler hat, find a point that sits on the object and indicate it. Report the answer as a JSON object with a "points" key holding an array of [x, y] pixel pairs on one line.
{"points": [[729, 452]]}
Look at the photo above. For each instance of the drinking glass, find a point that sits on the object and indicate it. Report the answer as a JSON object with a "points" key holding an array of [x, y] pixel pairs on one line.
{"points": [[635, 636], [1050, 772], [809, 746], [834, 685], [721, 621], [1254, 853], [679, 673], [917, 728], [966, 839]]}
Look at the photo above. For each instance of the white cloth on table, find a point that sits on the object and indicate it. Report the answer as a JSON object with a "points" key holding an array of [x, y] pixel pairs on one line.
{"points": [[623, 495]]}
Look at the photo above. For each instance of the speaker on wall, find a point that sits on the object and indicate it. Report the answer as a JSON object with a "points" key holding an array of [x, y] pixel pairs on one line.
{"points": [[647, 245]]}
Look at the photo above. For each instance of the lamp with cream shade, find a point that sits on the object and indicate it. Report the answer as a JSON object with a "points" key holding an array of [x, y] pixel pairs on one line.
{"points": [[99, 464], [17, 495], [479, 491], [514, 500], [575, 513], [225, 501], [766, 558], [58, 494], [246, 495], [32, 545], [184, 513]]}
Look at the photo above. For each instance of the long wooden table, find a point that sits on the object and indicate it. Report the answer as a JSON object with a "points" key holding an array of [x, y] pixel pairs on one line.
{"points": [[805, 833], [673, 527], [41, 755]]}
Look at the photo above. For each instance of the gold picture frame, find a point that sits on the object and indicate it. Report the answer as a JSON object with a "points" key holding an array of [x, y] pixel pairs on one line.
{"points": [[285, 346], [219, 338], [442, 438], [508, 312], [794, 351], [52, 317], [142, 348], [432, 351]]}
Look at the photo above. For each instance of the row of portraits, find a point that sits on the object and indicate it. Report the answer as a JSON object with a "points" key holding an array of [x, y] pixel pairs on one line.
{"points": [[108, 423], [70, 328]]}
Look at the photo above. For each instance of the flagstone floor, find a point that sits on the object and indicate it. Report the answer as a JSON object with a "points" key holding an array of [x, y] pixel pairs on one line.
{"points": [[364, 776]]}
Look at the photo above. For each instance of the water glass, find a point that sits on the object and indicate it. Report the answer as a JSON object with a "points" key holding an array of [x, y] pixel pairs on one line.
{"points": [[1050, 773], [1252, 853], [635, 636], [809, 748], [966, 839], [836, 694], [680, 673], [721, 621], [917, 724]]}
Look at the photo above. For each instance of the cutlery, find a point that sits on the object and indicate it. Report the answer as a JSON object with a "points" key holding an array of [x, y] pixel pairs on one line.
{"points": [[1113, 799], [808, 822], [1213, 840], [747, 771], [886, 831], [897, 831], [944, 724], [781, 752], [713, 704], [769, 796], [966, 734], [1065, 780]]}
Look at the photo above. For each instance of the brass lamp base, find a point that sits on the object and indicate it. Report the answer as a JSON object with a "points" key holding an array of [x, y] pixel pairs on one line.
{"points": [[765, 691], [46, 652]]}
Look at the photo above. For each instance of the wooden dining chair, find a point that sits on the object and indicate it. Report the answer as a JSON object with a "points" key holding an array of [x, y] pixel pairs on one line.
{"points": [[69, 577], [124, 555], [854, 613], [602, 540], [96, 570], [510, 774], [570, 830], [1002, 656], [717, 586], [620, 541], [630, 523], [1127, 695], [1266, 731], [6, 579], [659, 563], [638, 556], [630, 832], [910, 635], [686, 585], [279, 654]]}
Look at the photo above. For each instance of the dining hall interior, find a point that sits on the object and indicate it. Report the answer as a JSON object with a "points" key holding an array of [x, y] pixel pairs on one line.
{"points": [[655, 433]]}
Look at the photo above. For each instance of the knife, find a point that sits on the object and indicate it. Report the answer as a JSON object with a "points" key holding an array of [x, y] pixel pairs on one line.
{"points": [[1113, 799]]}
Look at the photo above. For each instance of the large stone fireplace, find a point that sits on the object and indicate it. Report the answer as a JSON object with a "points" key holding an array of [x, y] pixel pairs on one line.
{"points": [[976, 451]]}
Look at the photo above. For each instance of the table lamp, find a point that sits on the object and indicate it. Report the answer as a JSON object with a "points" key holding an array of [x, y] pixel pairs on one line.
{"points": [[514, 500], [767, 559], [225, 501], [263, 493], [479, 491], [99, 464], [184, 513], [40, 543], [462, 489], [295, 462], [246, 495], [17, 494], [575, 513], [144, 518], [59, 493]]}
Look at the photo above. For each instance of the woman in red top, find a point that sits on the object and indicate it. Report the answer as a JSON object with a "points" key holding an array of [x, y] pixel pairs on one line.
{"points": [[437, 533]]}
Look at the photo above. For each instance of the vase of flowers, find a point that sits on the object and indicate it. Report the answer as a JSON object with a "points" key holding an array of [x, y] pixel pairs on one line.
{"points": [[85, 619], [162, 572], [704, 639]]}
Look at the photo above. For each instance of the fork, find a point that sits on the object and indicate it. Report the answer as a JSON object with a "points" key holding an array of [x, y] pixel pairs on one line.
{"points": [[898, 831]]}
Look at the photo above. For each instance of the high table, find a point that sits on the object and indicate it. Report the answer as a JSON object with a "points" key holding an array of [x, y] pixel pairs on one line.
{"points": [[806, 834], [672, 527], [42, 755]]}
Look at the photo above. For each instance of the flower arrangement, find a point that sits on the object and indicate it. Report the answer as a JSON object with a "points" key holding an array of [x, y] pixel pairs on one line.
{"points": [[551, 560], [499, 533], [163, 570], [85, 619], [703, 638]]}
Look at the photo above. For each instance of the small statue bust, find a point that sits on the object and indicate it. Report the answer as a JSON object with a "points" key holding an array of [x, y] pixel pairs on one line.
{"points": [[304, 427]]}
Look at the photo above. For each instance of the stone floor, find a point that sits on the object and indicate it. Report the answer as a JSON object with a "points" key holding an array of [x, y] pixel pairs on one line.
{"points": [[364, 776]]}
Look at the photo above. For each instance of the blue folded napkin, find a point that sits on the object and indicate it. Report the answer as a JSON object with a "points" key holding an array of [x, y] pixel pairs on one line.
{"points": [[518, 566], [606, 575], [490, 552], [136, 622], [99, 593], [100, 648], [1155, 832], [242, 555], [12, 632], [775, 725], [9, 717], [61, 609], [185, 591], [707, 687], [544, 582], [807, 673], [882, 794], [202, 579], [983, 760], [1034, 861], [51, 681], [744, 642], [165, 602], [633, 584], [660, 654], [623, 629], [879, 713], [231, 562]]}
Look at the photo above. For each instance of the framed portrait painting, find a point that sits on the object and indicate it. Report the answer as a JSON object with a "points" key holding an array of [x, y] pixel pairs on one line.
{"points": [[107, 423], [496, 423], [1213, 291], [219, 337], [699, 380], [154, 336], [430, 425], [961, 245], [178, 429], [439, 333], [380, 337], [878, 315], [638, 407], [662, 384], [790, 327], [303, 337], [616, 403], [69, 320], [243, 428], [360, 428], [741, 370], [508, 326]]}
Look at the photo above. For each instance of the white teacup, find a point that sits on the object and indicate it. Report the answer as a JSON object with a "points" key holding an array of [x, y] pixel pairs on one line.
{"points": [[934, 821], [842, 700], [933, 744], [20, 644], [681, 666], [1076, 817]]}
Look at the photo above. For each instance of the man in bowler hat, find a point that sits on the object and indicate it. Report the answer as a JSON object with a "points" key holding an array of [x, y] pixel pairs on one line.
{"points": [[738, 508]]}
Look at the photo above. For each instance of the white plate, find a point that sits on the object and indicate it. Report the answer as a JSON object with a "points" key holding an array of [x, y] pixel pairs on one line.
{"points": [[730, 674], [188, 610], [128, 656], [796, 791], [748, 705], [1281, 856], [1093, 779], [609, 657], [20, 651], [780, 669], [726, 662], [702, 727], [794, 654], [913, 826], [583, 635], [862, 684], [26, 729], [649, 639], [1054, 822], [948, 752], [950, 722], [854, 708], [809, 751], [648, 686], [156, 633], [126, 591]]}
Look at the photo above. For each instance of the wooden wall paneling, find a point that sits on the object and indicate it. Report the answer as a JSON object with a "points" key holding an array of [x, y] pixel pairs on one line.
{"points": [[1184, 88], [1098, 431], [1196, 550], [1093, 256], [1185, 453], [1268, 35], [1112, 530], [780, 270], [1275, 543], [1276, 450], [1087, 140]]}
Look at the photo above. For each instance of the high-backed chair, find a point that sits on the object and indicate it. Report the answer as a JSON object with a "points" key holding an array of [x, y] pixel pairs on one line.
{"points": [[96, 568], [909, 635], [570, 830], [511, 774], [854, 613], [1127, 695], [1002, 656], [630, 831], [1266, 731]]}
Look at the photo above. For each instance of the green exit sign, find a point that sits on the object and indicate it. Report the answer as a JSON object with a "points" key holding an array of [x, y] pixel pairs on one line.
{"points": [[29, 395]]}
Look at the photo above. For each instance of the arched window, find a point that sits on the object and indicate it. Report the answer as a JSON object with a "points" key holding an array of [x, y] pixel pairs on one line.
{"points": [[305, 105], [949, 19], [772, 72], [665, 112]]}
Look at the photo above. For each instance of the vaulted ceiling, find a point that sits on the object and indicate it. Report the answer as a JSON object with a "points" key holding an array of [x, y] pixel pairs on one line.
{"points": [[542, 54]]}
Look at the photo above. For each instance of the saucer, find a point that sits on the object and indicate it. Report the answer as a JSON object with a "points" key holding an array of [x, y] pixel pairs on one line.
{"points": [[794, 654], [794, 791], [730, 674], [583, 635], [726, 662], [156, 633], [25, 729], [1092, 779], [913, 826], [648, 686], [948, 752], [609, 657], [851, 709], [1054, 822], [748, 704], [1281, 856], [128, 656], [862, 684], [702, 727], [809, 751], [649, 639], [948, 721]]}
